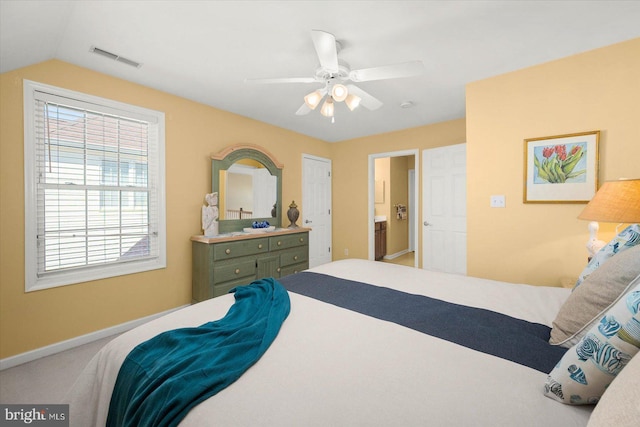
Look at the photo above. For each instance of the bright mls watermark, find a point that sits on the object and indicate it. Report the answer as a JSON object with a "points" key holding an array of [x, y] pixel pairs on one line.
{"points": [[34, 415]]}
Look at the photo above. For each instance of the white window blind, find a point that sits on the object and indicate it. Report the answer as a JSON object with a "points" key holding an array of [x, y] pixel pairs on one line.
{"points": [[95, 187]]}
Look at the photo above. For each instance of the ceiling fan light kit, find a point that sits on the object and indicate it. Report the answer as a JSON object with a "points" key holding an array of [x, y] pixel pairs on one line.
{"points": [[334, 74], [339, 93]]}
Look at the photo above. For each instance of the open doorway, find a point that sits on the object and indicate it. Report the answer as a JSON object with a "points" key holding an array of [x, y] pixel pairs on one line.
{"points": [[394, 206]]}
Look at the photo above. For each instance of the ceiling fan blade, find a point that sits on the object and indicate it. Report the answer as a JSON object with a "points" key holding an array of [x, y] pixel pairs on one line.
{"points": [[303, 110], [405, 69], [325, 44], [283, 80], [366, 100]]}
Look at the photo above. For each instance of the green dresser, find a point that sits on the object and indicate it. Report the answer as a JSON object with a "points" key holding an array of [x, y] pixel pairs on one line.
{"points": [[221, 263]]}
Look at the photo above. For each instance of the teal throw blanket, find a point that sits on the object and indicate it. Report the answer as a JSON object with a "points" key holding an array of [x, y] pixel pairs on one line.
{"points": [[164, 377]]}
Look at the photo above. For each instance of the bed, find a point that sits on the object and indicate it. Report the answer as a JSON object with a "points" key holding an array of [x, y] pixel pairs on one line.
{"points": [[330, 365]]}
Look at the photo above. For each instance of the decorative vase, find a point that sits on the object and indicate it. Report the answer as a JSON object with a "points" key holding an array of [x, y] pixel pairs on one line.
{"points": [[293, 213]]}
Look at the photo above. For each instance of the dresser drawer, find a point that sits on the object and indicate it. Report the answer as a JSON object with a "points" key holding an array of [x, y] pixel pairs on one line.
{"points": [[294, 256], [223, 272], [284, 242], [227, 250]]}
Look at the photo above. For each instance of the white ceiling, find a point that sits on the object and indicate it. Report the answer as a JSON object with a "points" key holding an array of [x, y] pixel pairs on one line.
{"points": [[204, 50]]}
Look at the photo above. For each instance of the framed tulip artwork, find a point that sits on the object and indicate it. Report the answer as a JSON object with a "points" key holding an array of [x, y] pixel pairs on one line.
{"points": [[561, 169]]}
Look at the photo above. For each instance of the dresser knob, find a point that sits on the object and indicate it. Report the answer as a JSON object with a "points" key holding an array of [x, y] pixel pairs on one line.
{"points": [[228, 251], [278, 270], [237, 271], [260, 246], [279, 243], [301, 239], [295, 258]]}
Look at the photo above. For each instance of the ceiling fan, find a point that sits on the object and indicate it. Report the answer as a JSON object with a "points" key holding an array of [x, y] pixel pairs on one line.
{"points": [[335, 75]]}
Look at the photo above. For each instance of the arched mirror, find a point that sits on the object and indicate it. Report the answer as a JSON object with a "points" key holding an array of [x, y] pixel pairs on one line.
{"points": [[248, 180]]}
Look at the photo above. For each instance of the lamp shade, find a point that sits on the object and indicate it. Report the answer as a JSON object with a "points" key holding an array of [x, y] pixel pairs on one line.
{"points": [[313, 99], [615, 201], [352, 101], [327, 108], [339, 92]]}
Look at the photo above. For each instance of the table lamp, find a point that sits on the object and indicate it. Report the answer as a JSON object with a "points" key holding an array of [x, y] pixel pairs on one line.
{"points": [[616, 201]]}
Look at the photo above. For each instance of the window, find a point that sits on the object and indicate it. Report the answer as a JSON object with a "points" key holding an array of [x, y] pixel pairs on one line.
{"points": [[94, 188]]}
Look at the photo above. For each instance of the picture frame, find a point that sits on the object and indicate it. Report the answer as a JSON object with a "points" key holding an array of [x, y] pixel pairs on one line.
{"points": [[561, 168]]}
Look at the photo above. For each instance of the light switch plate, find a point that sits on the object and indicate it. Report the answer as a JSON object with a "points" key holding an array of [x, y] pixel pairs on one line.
{"points": [[497, 201]]}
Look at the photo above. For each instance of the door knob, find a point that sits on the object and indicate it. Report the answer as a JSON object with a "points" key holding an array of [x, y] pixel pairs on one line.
{"points": [[306, 221], [426, 224]]}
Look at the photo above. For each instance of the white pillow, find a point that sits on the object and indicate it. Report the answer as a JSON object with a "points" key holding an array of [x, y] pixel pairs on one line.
{"points": [[620, 404], [586, 370]]}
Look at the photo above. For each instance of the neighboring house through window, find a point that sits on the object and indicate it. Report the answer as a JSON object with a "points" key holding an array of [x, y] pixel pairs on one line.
{"points": [[94, 188]]}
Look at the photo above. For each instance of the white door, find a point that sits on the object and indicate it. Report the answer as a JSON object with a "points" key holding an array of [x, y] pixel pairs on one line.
{"points": [[316, 207], [444, 209]]}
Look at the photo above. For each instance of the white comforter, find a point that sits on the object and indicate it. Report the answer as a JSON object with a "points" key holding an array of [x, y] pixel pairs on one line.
{"points": [[333, 367]]}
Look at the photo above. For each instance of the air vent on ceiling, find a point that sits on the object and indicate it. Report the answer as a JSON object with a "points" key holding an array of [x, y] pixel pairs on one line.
{"points": [[115, 57]]}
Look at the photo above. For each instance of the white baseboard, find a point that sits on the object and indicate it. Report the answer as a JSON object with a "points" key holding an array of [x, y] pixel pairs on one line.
{"points": [[397, 254], [38, 353]]}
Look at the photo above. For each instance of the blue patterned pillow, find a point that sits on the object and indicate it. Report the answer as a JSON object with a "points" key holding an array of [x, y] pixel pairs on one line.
{"points": [[626, 239], [586, 370]]}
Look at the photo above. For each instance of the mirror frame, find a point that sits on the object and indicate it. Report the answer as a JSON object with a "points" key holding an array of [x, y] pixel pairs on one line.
{"points": [[223, 161]]}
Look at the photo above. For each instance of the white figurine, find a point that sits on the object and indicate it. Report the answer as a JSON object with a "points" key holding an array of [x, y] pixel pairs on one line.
{"points": [[594, 245], [210, 215]]}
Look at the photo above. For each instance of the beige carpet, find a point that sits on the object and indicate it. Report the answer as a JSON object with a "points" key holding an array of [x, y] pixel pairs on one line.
{"points": [[46, 380]]}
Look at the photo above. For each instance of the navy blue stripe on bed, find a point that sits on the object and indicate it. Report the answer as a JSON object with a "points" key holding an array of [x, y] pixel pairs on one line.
{"points": [[483, 330], [164, 377]]}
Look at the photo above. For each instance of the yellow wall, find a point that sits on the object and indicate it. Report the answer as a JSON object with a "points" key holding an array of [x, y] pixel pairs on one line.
{"points": [[398, 229], [544, 243], [394, 172], [350, 163], [193, 132], [383, 173]]}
